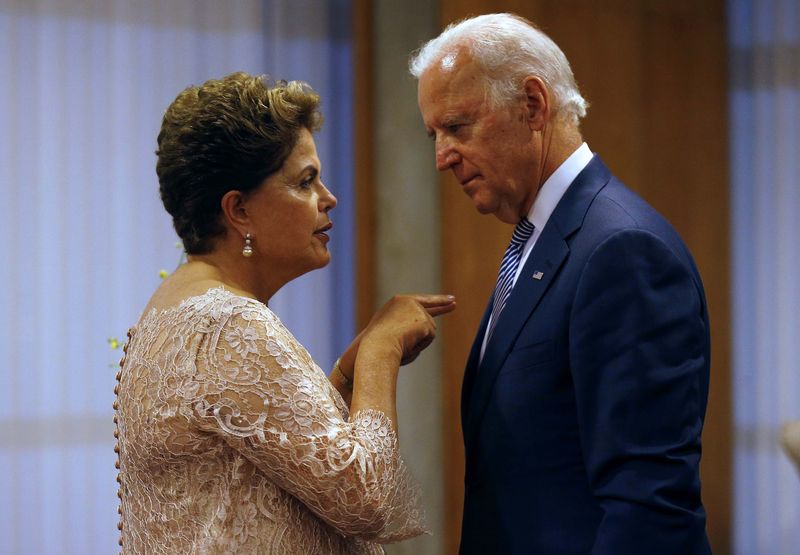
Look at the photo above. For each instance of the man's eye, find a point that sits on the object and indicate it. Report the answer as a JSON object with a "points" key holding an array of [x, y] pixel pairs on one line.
{"points": [[454, 127]]}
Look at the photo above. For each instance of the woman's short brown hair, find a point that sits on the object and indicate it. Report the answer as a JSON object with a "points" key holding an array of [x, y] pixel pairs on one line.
{"points": [[227, 134]]}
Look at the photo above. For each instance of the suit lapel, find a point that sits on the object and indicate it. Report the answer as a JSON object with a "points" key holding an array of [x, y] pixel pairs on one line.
{"points": [[541, 268], [546, 257], [471, 370]]}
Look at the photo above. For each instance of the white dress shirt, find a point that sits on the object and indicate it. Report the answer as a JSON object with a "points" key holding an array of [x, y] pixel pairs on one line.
{"points": [[546, 201]]}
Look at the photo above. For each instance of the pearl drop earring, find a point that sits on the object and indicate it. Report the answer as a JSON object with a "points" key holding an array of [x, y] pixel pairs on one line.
{"points": [[247, 251]]}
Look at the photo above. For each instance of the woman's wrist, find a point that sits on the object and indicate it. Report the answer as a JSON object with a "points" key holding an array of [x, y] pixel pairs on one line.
{"points": [[347, 380], [347, 361], [379, 354]]}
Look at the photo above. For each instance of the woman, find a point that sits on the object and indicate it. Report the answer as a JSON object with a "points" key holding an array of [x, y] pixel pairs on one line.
{"points": [[231, 439]]}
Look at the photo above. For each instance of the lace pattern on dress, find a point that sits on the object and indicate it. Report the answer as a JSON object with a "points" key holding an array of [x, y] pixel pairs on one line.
{"points": [[232, 440]]}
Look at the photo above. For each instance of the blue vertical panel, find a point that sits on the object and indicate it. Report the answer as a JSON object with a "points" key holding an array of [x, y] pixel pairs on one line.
{"points": [[28, 502], [77, 162], [20, 324], [50, 190], [79, 472], [51, 500], [9, 184], [764, 40], [9, 524], [100, 498], [340, 162]]}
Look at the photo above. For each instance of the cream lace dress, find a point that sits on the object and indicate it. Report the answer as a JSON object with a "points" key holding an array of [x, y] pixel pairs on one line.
{"points": [[232, 440]]}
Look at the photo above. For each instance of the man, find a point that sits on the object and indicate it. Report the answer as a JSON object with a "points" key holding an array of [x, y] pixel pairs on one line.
{"points": [[585, 392]]}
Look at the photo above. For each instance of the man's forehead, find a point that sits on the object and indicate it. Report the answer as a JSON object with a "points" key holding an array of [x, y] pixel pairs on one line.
{"points": [[454, 61], [448, 62], [452, 71]]}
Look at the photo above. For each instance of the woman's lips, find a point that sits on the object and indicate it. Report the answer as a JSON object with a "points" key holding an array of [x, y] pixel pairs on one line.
{"points": [[320, 233]]}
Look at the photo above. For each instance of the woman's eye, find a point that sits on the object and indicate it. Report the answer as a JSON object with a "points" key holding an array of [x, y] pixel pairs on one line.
{"points": [[307, 183]]}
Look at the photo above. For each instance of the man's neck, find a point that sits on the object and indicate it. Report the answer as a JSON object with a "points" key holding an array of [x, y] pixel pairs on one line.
{"points": [[564, 140]]}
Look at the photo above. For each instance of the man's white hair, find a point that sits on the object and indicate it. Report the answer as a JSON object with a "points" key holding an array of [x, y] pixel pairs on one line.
{"points": [[508, 48]]}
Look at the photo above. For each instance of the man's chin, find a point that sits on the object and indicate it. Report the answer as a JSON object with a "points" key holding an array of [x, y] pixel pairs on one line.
{"points": [[481, 204], [483, 207], [504, 216]]}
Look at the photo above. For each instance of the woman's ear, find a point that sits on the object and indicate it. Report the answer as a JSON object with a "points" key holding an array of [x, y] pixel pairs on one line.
{"points": [[537, 102], [234, 211]]}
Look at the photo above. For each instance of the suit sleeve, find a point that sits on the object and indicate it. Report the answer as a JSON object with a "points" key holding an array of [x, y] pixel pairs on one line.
{"points": [[639, 347]]}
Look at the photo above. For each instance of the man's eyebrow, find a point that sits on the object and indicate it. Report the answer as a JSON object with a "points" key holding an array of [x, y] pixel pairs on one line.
{"points": [[455, 118]]}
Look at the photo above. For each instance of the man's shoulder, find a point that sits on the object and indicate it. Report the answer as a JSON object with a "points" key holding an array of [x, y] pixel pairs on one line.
{"points": [[617, 207], [598, 205]]}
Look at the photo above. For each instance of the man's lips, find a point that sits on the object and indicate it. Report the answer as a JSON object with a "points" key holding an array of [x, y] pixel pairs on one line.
{"points": [[466, 182], [469, 186]]}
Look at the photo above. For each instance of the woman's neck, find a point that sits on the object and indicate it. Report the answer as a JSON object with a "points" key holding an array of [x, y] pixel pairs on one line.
{"points": [[241, 274]]}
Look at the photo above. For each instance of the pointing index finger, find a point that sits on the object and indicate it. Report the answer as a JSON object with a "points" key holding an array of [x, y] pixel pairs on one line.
{"points": [[433, 300]]}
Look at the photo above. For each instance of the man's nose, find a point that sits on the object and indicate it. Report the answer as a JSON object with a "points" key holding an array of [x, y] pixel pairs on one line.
{"points": [[446, 157]]}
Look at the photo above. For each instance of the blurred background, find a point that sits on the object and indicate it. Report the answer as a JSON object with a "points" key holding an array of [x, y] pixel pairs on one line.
{"points": [[695, 105]]}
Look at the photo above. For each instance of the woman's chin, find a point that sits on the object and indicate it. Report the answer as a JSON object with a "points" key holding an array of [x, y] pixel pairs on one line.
{"points": [[321, 261]]}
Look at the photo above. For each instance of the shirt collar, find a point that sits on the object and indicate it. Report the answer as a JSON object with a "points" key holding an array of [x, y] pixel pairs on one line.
{"points": [[557, 184]]}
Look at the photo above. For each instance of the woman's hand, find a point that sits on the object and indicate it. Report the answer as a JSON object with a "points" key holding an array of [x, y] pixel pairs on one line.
{"points": [[406, 323], [386, 319], [398, 332]]}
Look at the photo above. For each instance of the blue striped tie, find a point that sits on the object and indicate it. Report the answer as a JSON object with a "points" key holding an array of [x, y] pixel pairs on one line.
{"points": [[508, 269]]}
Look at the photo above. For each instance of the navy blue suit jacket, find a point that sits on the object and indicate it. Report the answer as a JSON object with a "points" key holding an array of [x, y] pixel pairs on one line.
{"points": [[582, 422]]}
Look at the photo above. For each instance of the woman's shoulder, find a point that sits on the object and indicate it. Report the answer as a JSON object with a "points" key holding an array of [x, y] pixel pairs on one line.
{"points": [[220, 302], [210, 300]]}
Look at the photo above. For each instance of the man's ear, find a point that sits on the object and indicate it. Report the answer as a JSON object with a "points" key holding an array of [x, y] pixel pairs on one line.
{"points": [[234, 211], [537, 102]]}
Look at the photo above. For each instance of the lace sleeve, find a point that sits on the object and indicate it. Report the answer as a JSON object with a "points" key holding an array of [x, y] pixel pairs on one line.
{"points": [[260, 391]]}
